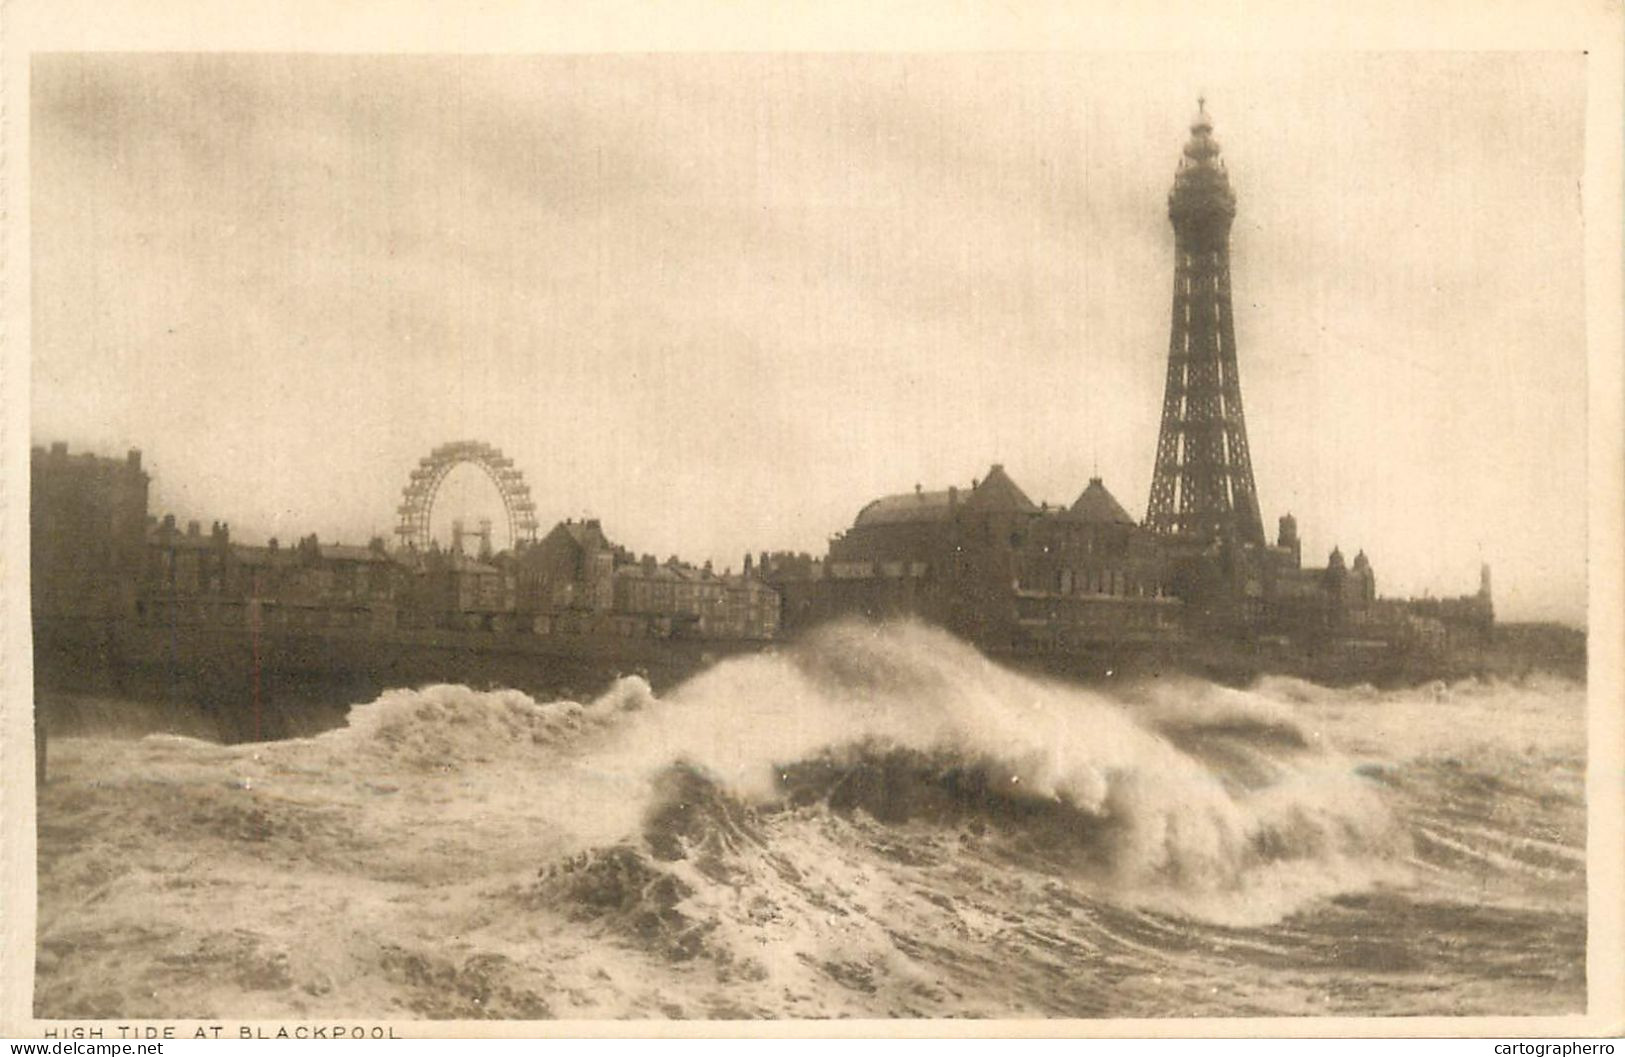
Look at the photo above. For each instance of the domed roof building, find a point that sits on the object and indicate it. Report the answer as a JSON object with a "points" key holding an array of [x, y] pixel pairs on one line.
{"points": [[992, 565]]}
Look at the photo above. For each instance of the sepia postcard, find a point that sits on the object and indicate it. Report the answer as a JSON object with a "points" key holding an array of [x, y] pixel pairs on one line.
{"points": [[699, 520]]}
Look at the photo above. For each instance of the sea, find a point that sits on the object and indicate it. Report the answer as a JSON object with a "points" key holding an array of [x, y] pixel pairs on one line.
{"points": [[877, 822]]}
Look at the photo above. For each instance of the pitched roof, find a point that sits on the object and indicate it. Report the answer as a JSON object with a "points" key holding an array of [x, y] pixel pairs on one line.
{"points": [[996, 492], [1097, 504], [584, 534], [665, 571]]}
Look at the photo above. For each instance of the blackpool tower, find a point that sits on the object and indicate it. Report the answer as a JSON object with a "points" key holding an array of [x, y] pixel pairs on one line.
{"points": [[1203, 484]]}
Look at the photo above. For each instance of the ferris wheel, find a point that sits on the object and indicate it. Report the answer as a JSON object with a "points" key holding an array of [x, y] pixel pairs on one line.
{"points": [[417, 498]]}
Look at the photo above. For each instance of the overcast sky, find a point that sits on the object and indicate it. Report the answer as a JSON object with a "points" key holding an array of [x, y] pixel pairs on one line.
{"points": [[721, 302]]}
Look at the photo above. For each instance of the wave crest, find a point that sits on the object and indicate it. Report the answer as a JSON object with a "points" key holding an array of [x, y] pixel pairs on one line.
{"points": [[1180, 795]]}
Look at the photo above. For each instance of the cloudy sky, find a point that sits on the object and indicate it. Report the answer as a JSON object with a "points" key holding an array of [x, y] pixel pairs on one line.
{"points": [[722, 301]]}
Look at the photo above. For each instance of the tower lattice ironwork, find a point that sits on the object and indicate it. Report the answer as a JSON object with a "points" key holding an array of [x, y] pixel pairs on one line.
{"points": [[1203, 484]]}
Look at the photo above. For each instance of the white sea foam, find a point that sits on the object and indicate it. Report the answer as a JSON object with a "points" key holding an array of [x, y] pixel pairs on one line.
{"points": [[837, 828]]}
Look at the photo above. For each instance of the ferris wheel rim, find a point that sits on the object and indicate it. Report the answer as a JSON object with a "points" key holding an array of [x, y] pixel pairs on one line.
{"points": [[425, 479]]}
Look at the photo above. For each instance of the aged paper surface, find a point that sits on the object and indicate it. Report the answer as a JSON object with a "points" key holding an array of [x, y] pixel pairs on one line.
{"points": [[703, 284]]}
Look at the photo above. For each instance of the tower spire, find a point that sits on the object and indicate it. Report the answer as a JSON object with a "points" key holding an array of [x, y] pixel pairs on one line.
{"points": [[1203, 480]]}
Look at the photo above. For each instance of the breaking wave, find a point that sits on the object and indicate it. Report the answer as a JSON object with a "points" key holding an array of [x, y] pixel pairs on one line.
{"points": [[878, 821]]}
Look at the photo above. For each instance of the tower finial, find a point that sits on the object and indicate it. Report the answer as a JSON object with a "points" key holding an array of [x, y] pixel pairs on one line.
{"points": [[1201, 124]]}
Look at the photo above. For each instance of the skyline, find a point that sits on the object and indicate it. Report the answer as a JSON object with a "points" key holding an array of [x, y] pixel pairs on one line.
{"points": [[806, 281]]}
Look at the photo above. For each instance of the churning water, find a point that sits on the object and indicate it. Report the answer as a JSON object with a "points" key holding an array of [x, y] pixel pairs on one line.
{"points": [[877, 823]]}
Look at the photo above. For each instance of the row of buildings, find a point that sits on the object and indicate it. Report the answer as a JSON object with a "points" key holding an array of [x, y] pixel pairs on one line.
{"points": [[1009, 574], [97, 553], [984, 561]]}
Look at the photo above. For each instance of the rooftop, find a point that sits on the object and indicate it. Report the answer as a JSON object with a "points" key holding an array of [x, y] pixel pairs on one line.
{"points": [[1097, 504], [995, 492]]}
